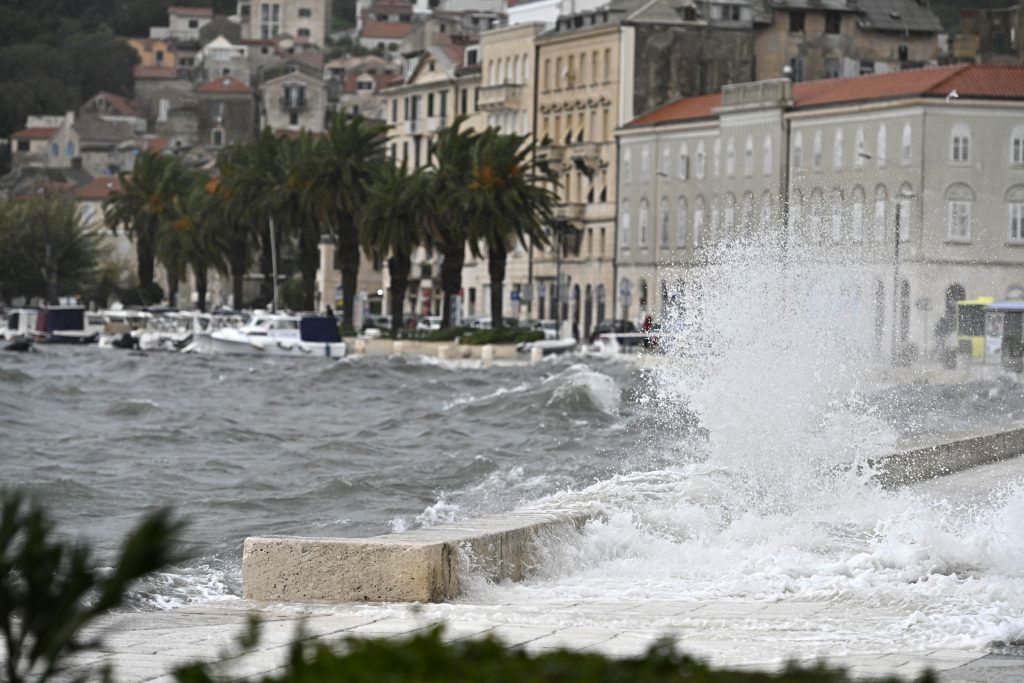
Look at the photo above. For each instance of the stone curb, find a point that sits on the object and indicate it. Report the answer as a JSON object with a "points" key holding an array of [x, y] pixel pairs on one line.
{"points": [[935, 460]]}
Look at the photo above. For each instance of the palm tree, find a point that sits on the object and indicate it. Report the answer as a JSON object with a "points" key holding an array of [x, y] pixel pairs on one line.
{"points": [[446, 212], [349, 158], [193, 237], [141, 205], [392, 223], [507, 201], [237, 202], [297, 208]]}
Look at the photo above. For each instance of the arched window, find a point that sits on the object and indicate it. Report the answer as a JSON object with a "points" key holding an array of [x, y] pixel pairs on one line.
{"points": [[747, 215], [881, 146], [817, 207], [684, 161], [663, 219], [526, 68], [905, 141], [798, 150], [959, 201], [960, 144], [698, 220], [767, 217], [861, 151], [857, 214], [642, 223], [818, 153], [881, 207], [666, 160], [715, 226], [748, 157], [766, 160], [796, 209], [1017, 145], [837, 215], [515, 71], [627, 166], [492, 72], [682, 218], [837, 150], [717, 161], [1015, 211], [702, 161], [730, 158], [624, 224], [645, 162], [904, 211], [729, 215]]}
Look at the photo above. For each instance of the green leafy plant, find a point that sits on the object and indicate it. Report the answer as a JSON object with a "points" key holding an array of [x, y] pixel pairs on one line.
{"points": [[50, 589], [501, 335]]}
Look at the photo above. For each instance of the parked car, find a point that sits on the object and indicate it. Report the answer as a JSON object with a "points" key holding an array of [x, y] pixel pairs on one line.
{"points": [[428, 323], [548, 327], [486, 323], [612, 326]]}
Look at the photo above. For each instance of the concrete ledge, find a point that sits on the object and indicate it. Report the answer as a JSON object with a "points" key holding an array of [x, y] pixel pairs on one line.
{"points": [[424, 565], [935, 460]]}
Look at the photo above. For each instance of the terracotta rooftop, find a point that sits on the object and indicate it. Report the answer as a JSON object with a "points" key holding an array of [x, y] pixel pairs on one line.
{"points": [[120, 104], [386, 29], [34, 134], [191, 11], [98, 189], [224, 84], [970, 80], [154, 73]]}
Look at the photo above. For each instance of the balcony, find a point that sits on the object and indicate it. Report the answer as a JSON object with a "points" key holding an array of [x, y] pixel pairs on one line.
{"points": [[506, 97], [434, 124], [413, 127], [588, 151], [569, 213], [294, 104]]}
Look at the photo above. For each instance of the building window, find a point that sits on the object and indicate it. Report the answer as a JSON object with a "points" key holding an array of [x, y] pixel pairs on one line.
{"points": [[682, 217], [796, 69], [881, 206], [837, 215], [819, 155], [303, 33], [698, 221], [730, 158], [881, 146], [69, 149], [796, 22], [217, 137], [305, 12], [55, 150], [641, 224], [766, 156], [624, 222], [748, 157], [832, 67], [627, 166], [817, 205], [1016, 212], [1017, 146], [857, 214], [905, 141], [904, 212], [798, 150], [193, 23], [862, 153], [960, 144], [796, 209], [24, 145], [717, 160], [702, 161], [959, 221], [645, 164], [663, 219], [684, 162], [293, 118], [766, 209], [666, 161], [833, 20], [837, 150]]}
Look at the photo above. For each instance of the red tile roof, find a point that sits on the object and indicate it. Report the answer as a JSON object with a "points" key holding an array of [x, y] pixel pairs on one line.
{"points": [[191, 11], [98, 189], [120, 104], [970, 80], [154, 73], [386, 29], [154, 144], [224, 84], [34, 134]]}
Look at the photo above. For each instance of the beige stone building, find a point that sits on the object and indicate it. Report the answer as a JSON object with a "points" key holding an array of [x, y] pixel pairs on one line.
{"points": [[916, 177], [307, 22], [294, 98], [841, 38]]}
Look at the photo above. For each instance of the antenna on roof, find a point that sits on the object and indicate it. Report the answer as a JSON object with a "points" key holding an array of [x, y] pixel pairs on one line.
{"points": [[953, 94]]}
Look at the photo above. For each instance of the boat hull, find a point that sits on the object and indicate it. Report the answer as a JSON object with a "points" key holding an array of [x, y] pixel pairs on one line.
{"points": [[269, 347]]}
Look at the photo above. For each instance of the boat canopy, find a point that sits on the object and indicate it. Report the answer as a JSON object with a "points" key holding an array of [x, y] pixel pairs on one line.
{"points": [[60, 318], [319, 329], [1014, 306]]}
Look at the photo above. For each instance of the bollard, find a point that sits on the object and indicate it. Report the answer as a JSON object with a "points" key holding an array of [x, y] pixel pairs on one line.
{"points": [[487, 355], [444, 352], [398, 348], [536, 354], [359, 346]]}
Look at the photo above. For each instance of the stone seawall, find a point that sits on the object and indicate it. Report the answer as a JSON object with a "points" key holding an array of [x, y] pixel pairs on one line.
{"points": [[428, 565]]}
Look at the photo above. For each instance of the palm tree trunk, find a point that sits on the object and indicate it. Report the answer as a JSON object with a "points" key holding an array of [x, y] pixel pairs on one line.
{"points": [[497, 256], [172, 288], [399, 266], [201, 286], [144, 252], [309, 259], [267, 266], [451, 279], [237, 261], [348, 264]]}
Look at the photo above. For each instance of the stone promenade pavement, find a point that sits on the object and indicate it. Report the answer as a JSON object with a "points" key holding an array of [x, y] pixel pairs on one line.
{"points": [[147, 646]]}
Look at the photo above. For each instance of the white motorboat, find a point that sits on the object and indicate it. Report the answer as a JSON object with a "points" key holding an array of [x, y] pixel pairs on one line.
{"points": [[548, 346], [272, 334], [122, 328]]}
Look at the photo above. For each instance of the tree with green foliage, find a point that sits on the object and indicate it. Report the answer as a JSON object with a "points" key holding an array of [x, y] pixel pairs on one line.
{"points": [[237, 201], [51, 589], [392, 224], [507, 201], [45, 248], [349, 157], [193, 238]]}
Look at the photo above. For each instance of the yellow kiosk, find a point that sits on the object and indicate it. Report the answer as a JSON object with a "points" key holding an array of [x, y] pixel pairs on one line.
{"points": [[970, 326]]}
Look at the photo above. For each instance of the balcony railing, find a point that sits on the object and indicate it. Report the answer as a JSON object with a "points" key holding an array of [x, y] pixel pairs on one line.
{"points": [[501, 97], [569, 213], [294, 104]]}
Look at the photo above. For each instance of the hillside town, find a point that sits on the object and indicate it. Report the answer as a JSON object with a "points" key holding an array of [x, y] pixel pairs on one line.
{"points": [[666, 129]]}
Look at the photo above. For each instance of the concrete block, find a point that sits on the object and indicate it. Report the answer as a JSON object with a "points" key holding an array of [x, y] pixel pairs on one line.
{"points": [[444, 352], [425, 565], [398, 347], [927, 461], [536, 355], [487, 355], [359, 345]]}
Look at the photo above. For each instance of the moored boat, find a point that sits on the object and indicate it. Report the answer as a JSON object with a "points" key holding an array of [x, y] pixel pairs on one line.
{"points": [[273, 334]]}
